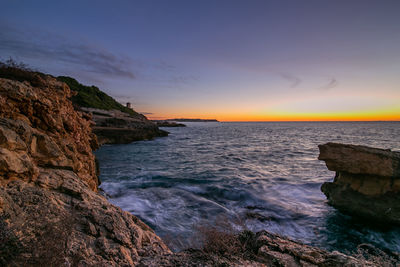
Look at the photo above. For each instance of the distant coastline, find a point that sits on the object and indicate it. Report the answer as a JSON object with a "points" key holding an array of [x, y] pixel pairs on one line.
{"points": [[193, 120]]}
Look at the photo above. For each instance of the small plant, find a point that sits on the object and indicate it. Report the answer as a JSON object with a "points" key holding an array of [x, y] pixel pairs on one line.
{"points": [[367, 252], [224, 237], [220, 241], [12, 63], [13, 70]]}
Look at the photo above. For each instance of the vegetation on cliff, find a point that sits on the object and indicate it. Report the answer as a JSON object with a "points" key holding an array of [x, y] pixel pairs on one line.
{"points": [[18, 71], [93, 97], [86, 96]]}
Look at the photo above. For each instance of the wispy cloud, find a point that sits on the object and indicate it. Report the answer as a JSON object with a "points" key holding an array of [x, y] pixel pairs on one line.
{"points": [[182, 79], [293, 80], [162, 65], [331, 84], [84, 60], [51, 47]]}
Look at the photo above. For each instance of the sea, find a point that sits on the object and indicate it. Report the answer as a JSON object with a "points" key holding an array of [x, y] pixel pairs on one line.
{"points": [[254, 175]]}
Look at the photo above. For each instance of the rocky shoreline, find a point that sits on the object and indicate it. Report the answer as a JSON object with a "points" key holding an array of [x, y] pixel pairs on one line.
{"points": [[164, 123], [116, 127], [51, 213]]}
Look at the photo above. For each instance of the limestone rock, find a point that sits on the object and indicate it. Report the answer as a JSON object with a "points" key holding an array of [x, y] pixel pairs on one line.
{"points": [[50, 211], [110, 135], [367, 181], [360, 159], [116, 127], [91, 230], [54, 134], [266, 249]]}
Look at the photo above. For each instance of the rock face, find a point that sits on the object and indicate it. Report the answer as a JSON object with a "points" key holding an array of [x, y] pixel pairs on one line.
{"points": [[41, 131], [367, 181], [116, 127], [50, 211]]}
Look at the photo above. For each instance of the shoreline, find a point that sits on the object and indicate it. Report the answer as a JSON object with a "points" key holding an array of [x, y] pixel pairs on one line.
{"points": [[49, 192]]}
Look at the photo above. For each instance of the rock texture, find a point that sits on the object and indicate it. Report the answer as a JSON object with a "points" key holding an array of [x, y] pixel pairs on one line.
{"points": [[162, 123], [264, 249], [116, 127], [367, 181], [50, 211]]}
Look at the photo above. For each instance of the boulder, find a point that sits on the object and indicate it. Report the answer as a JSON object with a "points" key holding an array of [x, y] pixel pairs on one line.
{"points": [[367, 181]]}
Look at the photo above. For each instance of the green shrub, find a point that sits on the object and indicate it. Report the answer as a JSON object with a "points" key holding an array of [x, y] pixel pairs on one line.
{"points": [[92, 97], [87, 96]]}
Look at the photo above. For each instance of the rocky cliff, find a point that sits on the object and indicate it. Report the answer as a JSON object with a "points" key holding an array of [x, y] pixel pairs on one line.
{"points": [[50, 211], [367, 181], [52, 215], [114, 123]]}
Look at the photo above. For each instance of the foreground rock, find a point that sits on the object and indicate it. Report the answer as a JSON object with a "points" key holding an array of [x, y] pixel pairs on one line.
{"points": [[116, 127], [50, 211], [266, 249], [367, 181]]}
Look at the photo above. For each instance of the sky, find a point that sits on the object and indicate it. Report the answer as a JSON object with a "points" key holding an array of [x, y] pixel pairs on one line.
{"points": [[230, 60]]}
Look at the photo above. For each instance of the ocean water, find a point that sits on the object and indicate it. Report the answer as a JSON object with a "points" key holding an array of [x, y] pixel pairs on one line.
{"points": [[256, 175]]}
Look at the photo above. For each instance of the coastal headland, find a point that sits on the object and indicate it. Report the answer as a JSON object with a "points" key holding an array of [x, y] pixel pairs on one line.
{"points": [[51, 210]]}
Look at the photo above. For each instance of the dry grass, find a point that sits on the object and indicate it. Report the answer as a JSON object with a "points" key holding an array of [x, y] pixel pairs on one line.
{"points": [[367, 252], [225, 237], [10, 69]]}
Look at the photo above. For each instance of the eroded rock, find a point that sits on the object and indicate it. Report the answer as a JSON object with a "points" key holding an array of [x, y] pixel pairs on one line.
{"points": [[50, 211], [116, 127], [266, 249], [367, 181]]}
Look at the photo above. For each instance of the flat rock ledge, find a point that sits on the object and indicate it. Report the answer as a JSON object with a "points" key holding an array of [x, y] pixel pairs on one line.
{"points": [[367, 181], [116, 127]]}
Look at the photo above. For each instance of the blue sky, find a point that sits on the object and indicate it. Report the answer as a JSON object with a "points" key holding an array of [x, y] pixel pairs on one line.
{"points": [[231, 60]]}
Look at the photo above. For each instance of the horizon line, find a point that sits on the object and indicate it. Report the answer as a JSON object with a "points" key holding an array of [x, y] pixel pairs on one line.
{"points": [[319, 121]]}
